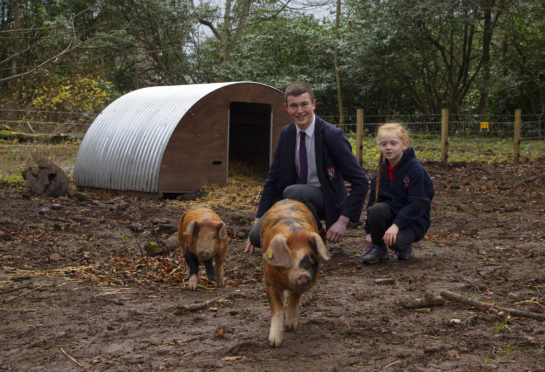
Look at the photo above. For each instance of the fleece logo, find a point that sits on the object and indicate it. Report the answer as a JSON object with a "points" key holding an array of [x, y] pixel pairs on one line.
{"points": [[331, 173], [406, 182]]}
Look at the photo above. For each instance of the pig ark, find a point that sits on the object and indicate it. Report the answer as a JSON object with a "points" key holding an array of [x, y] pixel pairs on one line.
{"points": [[292, 250], [203, 236]]}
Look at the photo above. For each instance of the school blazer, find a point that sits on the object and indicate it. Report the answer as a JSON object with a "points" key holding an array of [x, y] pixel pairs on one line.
{"points": [[335, 163]]}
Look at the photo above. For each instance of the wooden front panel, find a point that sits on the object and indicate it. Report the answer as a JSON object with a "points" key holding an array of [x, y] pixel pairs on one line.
{"points": [[197, 152]]}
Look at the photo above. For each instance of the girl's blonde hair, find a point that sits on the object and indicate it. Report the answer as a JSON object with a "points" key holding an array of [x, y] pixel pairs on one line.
{"points": [[402, 133], [398, 129]]}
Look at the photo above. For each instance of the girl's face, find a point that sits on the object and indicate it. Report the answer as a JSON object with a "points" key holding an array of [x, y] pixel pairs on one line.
{"points": [[391, 147]]}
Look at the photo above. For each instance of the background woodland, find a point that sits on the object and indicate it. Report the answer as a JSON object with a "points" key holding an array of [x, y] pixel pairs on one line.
{"points": [[390, 57]]}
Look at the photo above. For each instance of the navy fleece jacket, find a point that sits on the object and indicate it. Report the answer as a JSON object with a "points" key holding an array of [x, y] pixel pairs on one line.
{"points": [[409, 194]]}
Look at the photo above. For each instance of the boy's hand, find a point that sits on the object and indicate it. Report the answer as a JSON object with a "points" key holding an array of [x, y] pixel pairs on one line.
{"points": [[249, 247], [390, 235], [368, 240], [337, 230]]}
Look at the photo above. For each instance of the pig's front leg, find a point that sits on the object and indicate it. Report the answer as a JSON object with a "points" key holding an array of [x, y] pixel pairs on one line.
{"points": [[218, 267], [209, 270], [276, 302], [193, 263], [292, 317]]}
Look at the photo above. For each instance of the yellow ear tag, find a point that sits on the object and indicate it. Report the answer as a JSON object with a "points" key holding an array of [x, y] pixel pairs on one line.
{"points": [[270, 253]]}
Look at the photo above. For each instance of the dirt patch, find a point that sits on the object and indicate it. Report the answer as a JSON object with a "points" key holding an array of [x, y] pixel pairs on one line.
{"points": [[78, 291]]}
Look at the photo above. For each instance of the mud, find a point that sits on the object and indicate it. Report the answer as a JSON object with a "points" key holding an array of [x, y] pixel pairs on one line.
{"points": [[78, 290]]}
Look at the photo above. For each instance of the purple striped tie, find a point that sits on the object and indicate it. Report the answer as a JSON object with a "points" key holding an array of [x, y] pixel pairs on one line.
{"points": [[303, 163]]}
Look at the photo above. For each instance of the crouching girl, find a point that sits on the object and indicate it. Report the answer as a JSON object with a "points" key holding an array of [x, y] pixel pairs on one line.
{"points": [[398, 212]]}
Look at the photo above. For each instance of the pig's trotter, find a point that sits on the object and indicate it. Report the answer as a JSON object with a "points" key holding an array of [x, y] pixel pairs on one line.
{"points": [[218, 266], [193, 282], [209, 269], [277, 316], [292, 317], [193, 263], [275, 334]]}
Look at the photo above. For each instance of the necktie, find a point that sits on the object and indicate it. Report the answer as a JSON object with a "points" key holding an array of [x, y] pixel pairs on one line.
{"points": [[303, 163]]}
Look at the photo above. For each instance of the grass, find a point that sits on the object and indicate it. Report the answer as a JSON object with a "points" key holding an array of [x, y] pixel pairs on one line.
{"points": [[459, 150], [14, 158], [499, 326]]}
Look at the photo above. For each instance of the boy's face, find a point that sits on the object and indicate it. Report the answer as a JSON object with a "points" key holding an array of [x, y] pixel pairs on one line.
{"points": [[391, 147], [301, 109]]}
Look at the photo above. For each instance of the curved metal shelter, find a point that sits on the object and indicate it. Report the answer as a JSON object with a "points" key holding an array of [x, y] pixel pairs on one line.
{"points": [[174, 139]]}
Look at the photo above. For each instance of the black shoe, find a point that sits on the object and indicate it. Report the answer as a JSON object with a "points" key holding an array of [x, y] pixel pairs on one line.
{"points": [[405, 253]]}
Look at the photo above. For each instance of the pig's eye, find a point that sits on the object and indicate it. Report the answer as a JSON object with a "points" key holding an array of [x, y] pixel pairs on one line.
{"points": [[312, 259]]}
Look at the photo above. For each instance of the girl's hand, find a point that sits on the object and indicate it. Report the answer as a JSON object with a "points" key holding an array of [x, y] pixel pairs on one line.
{"points": [[390, 235], [368, 240]]}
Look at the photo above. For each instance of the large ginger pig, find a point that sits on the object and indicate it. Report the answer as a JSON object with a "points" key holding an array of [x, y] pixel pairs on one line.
{"points": [[292, 250], [203, 236]]}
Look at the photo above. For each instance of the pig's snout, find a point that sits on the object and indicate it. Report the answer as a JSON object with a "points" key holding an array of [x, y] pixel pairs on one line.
{"points": [[302, 280], [205, 255]]}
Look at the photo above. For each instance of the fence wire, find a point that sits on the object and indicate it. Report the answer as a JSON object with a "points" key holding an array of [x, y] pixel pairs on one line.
{"points": [[530, 130], [75, 124]]}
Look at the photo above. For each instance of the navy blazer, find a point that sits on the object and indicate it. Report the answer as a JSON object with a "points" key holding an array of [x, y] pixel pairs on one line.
{"points": [[409, 195], [335, 163]]}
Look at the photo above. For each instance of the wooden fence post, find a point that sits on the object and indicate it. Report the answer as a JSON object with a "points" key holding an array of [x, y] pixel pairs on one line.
{"points": [[359, 135], [444, 136], [516, 139]]}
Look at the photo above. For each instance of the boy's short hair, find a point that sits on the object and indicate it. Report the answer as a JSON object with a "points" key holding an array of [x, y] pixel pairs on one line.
{"points": [[297, 88]]}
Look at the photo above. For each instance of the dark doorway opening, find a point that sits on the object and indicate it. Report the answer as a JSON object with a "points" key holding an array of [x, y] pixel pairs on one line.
{"points": [[249, 138]]}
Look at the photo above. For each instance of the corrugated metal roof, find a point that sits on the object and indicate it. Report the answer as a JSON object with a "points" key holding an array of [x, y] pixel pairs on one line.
{"points": [[123, 148]]}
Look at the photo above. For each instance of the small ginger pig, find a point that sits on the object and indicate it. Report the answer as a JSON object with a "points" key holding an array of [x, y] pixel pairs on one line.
{"points": [[292, 250], [203, 236]]}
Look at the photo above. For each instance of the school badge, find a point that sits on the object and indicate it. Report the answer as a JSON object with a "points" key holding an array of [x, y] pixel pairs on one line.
{"points": [[331, 173], [406, 182]]}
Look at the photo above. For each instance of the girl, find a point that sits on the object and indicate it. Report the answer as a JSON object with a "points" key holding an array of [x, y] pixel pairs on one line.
{"points": [[398, 212]]}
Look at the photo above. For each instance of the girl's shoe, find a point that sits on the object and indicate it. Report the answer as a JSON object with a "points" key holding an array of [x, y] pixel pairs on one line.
{"points": [[405, 253], [374, 254]]}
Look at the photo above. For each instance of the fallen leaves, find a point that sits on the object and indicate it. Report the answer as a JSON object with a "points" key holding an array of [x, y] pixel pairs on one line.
{"points": [[221, 332], [454, 354], [230, 358], [136, 270]]}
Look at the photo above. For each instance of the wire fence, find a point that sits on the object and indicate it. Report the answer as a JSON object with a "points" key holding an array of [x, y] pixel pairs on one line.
{"points": [[38, 123], [455, 138], [469, 126], [468, 138], [429, 125]]}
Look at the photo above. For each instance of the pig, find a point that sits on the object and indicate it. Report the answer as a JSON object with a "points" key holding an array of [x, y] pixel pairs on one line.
{"points": [[292, 252], [202, 236]]}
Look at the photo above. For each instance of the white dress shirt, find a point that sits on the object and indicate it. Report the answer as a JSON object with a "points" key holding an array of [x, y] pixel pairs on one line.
{"points": [[311, 154]]}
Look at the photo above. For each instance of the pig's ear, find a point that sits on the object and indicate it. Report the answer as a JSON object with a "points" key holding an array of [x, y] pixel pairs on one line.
{"points": [[278, 253], [222, 230], [193, 228], [320, 246]]}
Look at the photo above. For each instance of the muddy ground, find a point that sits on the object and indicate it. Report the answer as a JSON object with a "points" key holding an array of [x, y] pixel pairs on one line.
{"points": [[79, 292]]}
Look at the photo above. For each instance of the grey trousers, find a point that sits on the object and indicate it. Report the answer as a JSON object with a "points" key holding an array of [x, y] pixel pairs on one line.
{"points": [[380, 217], [309, 195]]}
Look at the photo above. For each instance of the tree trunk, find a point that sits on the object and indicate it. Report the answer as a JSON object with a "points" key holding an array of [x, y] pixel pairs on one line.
{"points": [[485, 73], [336, 64], [16, 15]]}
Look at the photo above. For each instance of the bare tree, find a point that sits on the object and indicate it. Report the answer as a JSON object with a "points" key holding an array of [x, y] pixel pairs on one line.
{"points": [[43, 45]]}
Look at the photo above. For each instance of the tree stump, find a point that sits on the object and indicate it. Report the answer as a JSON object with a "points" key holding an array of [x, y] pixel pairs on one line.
{"points": [[47, 178]]}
